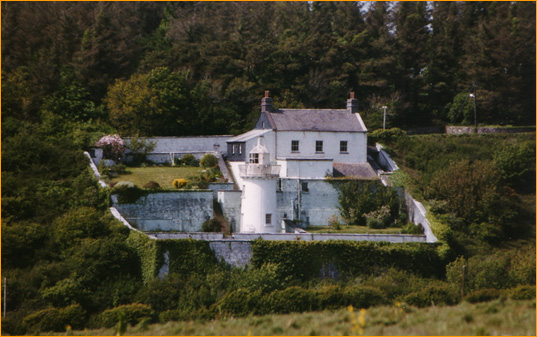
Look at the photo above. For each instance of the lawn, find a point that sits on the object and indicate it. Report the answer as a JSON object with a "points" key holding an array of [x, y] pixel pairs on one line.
{"points": [[498, 317], [164, 176], [348, 229]]}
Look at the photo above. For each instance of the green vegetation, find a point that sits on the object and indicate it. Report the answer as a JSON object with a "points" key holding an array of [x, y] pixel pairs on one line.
{"points": [[500, 317], [154, 69], [164, 176], [350, 229]]}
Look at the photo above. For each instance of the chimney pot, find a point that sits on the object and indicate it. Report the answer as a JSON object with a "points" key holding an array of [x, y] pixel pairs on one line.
{"points": [[352, 104], [266, 102]]}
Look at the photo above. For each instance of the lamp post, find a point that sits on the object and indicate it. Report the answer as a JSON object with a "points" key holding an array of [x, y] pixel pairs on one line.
{"points": [[473, 95], [384, 119]]}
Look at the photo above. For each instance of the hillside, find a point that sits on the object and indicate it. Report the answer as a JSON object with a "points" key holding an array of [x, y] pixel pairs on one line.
{"points": [[499, 317], [75, 71]]}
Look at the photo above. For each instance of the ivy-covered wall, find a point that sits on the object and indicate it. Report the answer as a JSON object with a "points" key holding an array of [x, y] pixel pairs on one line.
{"points": [[185, 256], [307, 260], [297, 259]]}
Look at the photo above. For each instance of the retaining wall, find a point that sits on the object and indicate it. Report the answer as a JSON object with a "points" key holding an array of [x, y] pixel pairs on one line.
{"points": [[417, 215], [183, 211]]}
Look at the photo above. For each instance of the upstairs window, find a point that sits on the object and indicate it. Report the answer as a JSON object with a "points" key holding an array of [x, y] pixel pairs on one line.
{"points": [[254, 158], [319, 146], [240, 148], [294, 146], [343, 146], [305, 187], [268, 219]]}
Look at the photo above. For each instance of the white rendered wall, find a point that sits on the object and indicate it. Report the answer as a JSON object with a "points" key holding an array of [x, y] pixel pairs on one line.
{"points": [[269, 142], [305, 168], [259, 199], [356, 145]]}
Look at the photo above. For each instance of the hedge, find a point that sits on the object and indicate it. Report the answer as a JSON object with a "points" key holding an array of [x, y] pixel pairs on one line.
{"points": [[304, 260], [297, 299]]}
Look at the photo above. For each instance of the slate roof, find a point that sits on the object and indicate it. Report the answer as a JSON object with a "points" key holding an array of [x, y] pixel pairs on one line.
{"points": [[248, 135], [316, 120], [362, 171]]}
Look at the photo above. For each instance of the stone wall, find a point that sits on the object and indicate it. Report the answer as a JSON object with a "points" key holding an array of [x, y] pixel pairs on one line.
{"points": [[230, 201], [169, 211], [417, 215], [232, 252], [167, 148], [313, 206], [457, 130]]}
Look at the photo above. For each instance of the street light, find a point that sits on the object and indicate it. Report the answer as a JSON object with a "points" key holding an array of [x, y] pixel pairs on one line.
{"points": [[473, 95], [384, 119]]}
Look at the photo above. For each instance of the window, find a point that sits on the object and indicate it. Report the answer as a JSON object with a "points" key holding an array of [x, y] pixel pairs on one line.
{"points": [[254, 158], [319, 146], [240, 148], [234, 148], [343, 146], [279, 184], [263, 125], [294, 146], [268, 219], [305, 187]]}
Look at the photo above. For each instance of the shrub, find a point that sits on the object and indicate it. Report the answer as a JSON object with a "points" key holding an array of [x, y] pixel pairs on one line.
{"points": [[139, 148], [113, 147], [56, 320], [212, 225], [152, 185], [292, 299], [333, 221], [522, 292], [180, 183], [129, 313], [209, 160], [127, 192], [374, 223], [437, 294], [189, 160], [364, 297], [411, 228], [483, 295], [241, 302], [386, 137]]}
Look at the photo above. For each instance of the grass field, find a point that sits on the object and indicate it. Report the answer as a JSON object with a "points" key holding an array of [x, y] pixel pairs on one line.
{"points": [[348, 229], [499, 317], [164, 176]]}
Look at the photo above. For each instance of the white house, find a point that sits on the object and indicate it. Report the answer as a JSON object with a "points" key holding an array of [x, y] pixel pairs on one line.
{"points": [[306, 145]]}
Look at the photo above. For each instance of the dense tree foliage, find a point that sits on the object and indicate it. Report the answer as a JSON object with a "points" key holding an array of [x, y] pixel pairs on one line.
{"points": [[160, 62]]}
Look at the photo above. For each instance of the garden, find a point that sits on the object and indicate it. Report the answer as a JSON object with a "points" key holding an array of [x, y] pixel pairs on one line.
{"points": [[184, 173]]}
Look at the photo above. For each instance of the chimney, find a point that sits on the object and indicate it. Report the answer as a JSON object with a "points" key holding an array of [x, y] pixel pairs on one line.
{"points": [[352, 104], [266, 102]]}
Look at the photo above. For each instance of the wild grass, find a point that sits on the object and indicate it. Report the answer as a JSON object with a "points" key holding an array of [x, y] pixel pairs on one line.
{"points": [[350, 229], [164, 176], [499, 317]]}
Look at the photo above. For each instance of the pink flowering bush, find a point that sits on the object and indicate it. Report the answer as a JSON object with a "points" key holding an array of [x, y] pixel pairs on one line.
{"points": [[113, 147]]}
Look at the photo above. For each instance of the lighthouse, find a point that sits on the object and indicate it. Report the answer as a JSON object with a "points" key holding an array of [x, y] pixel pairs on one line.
{"points": [[258, 206]]}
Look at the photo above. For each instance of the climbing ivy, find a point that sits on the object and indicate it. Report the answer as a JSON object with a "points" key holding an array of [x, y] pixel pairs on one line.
{"points": [[305, 260]]}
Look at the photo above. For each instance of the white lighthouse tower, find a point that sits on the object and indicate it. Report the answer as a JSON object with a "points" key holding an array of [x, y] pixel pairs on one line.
{"points": [[258, 206]]}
